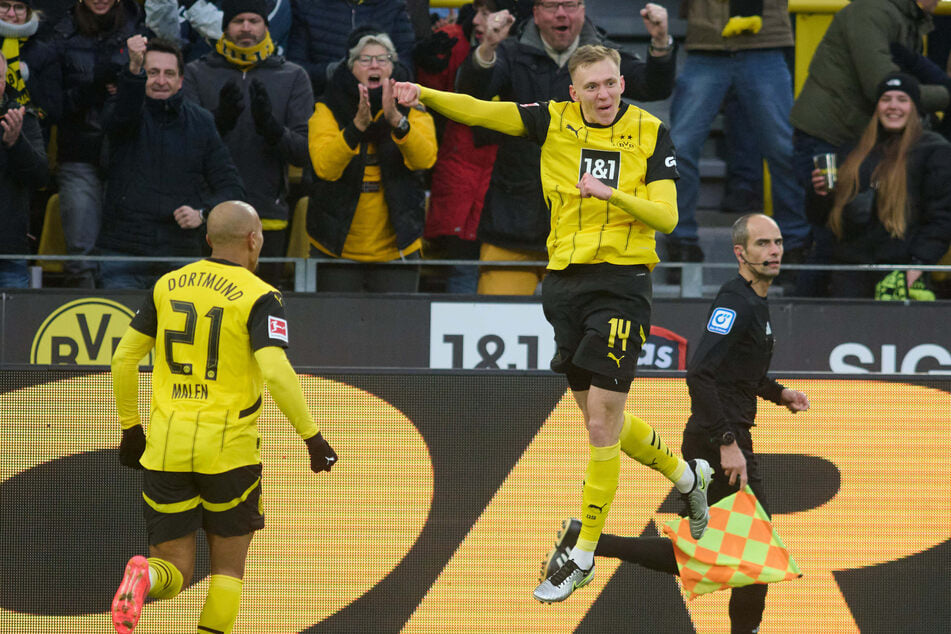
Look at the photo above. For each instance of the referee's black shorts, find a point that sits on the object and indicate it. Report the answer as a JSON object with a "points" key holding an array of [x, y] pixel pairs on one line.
{"points": [[177, 504], [601, 316]]}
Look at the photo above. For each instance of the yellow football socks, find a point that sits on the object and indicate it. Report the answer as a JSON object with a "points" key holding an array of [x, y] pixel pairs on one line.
{"points": [[221, 605], [600, 485], [641, 442], [166, 579]]}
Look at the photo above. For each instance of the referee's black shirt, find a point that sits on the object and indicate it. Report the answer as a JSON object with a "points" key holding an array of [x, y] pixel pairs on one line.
{"points": [[728, 370]]}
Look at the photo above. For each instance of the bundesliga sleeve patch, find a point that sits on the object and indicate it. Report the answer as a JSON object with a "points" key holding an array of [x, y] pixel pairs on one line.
{"points": [[721, 321], [277, 328]]}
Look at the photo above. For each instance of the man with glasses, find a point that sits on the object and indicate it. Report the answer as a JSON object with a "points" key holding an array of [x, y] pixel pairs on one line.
{"points": [[528, 67], [261, 103]]}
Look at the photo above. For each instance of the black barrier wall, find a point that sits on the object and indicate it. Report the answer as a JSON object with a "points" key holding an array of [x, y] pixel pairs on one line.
{"points": [[443, 332], [448, 493]]}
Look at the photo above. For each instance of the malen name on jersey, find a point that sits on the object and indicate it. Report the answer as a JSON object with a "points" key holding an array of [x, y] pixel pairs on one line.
{"points": [[189, 390], [215, 282]]}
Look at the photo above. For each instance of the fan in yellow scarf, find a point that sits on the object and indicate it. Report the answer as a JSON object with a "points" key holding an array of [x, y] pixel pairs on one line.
{"points": [[246, 48], [245, 57], [17, 23]]}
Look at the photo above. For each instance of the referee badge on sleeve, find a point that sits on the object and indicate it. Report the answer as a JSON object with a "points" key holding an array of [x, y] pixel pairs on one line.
{"points": [[721, 321], [277, 328]]}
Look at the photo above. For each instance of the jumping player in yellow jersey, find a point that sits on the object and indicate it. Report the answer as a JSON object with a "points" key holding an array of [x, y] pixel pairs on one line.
{"points": [[607, 171], [219, 334]]}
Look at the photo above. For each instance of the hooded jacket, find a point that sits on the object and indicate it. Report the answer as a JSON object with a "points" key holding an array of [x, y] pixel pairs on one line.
{"points": [[345, 154]]}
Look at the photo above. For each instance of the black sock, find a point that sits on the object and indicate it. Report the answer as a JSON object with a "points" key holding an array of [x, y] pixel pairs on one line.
{"points": [[656, 553]]}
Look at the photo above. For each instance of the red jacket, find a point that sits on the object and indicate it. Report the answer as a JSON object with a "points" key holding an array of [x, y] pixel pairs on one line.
{"points": [[461, 175]]}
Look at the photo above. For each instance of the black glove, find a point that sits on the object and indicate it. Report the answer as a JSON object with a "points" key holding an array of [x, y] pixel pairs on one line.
{"points": [[132, 447], [432, 54], [322, 455], [264, 122], [923, 69], [230, 107]]}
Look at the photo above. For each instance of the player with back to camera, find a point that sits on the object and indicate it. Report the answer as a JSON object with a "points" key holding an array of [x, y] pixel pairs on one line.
{"points": [[725, 375], [607, 171], [219, 334]]}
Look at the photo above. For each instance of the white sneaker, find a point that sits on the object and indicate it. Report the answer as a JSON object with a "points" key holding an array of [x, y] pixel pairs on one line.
{"points": [[697, 497], [560, 585]]}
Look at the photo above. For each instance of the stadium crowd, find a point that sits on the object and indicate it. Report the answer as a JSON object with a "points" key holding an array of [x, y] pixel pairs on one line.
{"points": [[126, 121]]}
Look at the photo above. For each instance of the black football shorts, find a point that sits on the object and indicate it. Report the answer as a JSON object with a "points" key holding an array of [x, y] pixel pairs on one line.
{"points": [[601, 317], [179, 503]]}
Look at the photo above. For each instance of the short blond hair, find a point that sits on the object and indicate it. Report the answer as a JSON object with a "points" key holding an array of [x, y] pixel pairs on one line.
{"points": [[592, 54]]}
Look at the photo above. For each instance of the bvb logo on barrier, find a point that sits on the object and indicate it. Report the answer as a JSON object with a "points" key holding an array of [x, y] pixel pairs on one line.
{"points": [[81, 332]]}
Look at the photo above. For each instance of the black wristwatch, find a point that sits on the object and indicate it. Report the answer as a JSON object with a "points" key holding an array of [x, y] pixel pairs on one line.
{"points": [[727, 438], [402, 128]]}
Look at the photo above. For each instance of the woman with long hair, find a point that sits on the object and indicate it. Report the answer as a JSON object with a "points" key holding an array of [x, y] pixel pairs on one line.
{"points": [[368, 199], [892, 198], [91, 44]]}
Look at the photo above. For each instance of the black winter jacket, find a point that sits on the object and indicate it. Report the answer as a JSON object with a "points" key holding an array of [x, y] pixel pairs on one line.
{"points": [[320, 28], [515, 215], [865, 239], [162, 154], [23, 168], [263, 167], [88, 64], [44, 78]]}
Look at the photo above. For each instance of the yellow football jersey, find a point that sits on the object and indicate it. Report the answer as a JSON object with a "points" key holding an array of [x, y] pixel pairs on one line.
{"points": [[207, 319], [627, 155]]}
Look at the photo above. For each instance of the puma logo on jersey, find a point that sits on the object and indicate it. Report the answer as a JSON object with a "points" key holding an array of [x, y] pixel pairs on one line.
{"points": [[616, 359], [568, 125]]}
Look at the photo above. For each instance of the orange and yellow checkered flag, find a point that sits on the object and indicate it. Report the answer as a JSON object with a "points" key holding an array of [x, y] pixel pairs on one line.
{"points": [[740, 547]]}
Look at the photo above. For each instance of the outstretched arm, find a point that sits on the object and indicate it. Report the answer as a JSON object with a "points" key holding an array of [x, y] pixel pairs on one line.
{"points": [[501, 116]]}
